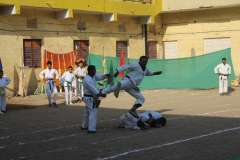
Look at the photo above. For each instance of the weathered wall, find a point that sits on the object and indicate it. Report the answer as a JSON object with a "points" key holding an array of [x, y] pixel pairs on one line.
{"points": [[58, 35], [180, 5], [191, 28]]}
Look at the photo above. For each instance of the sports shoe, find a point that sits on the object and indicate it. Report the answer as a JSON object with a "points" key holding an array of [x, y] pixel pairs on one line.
{"points": [[1, 112], [133, 113], [92, 132], [55, 105], [84, 128], [50, 105], [70, 103]]}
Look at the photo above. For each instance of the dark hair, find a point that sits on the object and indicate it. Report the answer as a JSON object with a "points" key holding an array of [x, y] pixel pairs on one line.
{"points": [[153, 123], [1, 71], [140, 124], [49, 62], [143, 57], [70, 67], [223, 59], [162, 121], [80, 62], [91, 68]]}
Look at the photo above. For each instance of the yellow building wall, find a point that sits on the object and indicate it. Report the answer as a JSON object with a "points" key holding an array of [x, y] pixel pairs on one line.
{"points": [[58, 35], [177, 5], [190, 29]]}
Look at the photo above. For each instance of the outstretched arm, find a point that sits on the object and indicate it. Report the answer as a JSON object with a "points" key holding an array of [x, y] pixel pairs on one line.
{"points": [[157, 73], [122, 68]]}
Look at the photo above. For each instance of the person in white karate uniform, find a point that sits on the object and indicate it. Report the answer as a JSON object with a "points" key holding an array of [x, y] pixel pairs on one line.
{"points": [[91, 94], [3, 82], [153, 118], [223, 70], [50, 83], [131, 122], [129, 83], [80, 73], [67, 81]]}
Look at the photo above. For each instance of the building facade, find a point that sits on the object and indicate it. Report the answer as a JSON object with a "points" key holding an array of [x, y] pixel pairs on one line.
{"points": [[160, 29], [27, 28]]}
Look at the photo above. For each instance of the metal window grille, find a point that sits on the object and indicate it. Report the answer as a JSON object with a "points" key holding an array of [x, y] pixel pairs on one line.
{"points": [[121, 28], [81, 25], [31, 23]]}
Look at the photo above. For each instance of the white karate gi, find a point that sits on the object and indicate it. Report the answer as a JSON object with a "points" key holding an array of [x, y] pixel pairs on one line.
{"points": [[223, 80], [3, 82], [79, 81], [130, 122], [51, 87], [145, 115], [130, 84], [90, 90], [67, 80]]}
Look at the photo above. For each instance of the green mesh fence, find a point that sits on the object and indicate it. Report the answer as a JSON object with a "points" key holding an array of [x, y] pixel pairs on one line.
{"points": [[182, 73]]}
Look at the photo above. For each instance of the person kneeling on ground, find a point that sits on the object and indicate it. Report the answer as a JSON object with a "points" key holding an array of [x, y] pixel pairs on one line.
{"points": [[130, 122], [153, 118]]}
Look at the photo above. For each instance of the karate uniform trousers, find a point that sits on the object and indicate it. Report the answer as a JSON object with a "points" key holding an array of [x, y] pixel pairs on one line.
{"points": [[68, 92], [223, 84], [90, 114], [2, 102], [129, 122], [79, 87], [51, 87], [129, 87]]}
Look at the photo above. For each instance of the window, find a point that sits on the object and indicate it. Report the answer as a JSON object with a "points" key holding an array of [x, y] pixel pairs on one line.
{"points": [[152, 50], [32, 52], [217, 44], [82, 47], [170, 49], [121, 46]]}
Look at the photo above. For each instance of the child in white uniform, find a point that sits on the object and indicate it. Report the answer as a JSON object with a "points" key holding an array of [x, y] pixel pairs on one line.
{"points": [[3, 82], [67, 80]]}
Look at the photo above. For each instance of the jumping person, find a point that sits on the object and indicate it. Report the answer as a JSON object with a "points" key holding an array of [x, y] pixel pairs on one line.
{"points": [[80, 73], [223, 70], [50, 83], [67, 81], [130, 122], [129, 83], [3, 82], [91, 95]]}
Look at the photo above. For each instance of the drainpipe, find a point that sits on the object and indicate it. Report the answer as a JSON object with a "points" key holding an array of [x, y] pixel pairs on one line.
{"points": [[145, 40]]}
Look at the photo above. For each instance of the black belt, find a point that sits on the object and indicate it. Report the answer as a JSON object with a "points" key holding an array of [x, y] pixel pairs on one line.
{"points": [[224, 74], [87, 95], [49, 79], [128, 77]]}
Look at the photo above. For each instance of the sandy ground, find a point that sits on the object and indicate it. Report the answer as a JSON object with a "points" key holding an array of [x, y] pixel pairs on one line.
{"points": [[200, 125]]}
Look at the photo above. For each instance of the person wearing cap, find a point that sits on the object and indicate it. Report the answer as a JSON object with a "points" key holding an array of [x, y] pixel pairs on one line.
{"points": [[80, 73], [67, 81], [3, 82], [223, 70], [48, 74]]}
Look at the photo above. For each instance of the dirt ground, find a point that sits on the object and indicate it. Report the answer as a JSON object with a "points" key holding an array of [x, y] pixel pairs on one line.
{"points": [[200, 125]]}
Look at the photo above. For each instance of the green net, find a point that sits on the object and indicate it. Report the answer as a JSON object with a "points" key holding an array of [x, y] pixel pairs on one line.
{"points": [[182, 73]]}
